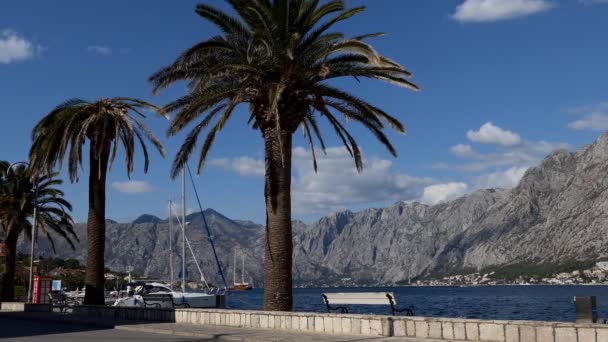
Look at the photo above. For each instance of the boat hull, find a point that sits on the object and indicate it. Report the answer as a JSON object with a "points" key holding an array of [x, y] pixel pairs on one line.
{"points": [[179, 300], [240, 287], [208, 301]]}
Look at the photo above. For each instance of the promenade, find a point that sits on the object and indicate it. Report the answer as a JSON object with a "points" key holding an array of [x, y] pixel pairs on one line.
{"points": [[22, 326]]}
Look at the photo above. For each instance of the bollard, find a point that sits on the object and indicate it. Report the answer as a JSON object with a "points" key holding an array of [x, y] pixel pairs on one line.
{"points": [[586, 309]]}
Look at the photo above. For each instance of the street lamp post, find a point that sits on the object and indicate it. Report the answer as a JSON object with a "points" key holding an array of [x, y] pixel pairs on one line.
{"points": [[34, 231], [33, 246]]}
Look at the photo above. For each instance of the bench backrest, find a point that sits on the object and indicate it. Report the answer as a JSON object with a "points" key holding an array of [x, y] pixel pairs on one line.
{"points": [[364, 298]]}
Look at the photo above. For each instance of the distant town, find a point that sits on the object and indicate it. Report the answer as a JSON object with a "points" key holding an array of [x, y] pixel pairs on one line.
{"points": [[596, 274], [71, 273]]}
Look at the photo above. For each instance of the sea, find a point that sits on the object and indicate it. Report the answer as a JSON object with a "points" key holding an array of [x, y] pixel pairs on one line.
{"points": [[509, 302]]}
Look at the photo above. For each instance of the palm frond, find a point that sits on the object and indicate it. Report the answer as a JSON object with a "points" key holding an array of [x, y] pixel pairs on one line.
{"points": [[278, 56]]}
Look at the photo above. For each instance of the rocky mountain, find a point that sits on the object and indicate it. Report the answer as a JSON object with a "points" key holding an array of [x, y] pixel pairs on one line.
{"points": [[557, 213]]}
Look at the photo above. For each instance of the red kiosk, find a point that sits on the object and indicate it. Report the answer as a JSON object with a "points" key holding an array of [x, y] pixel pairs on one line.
{"points": [[42, 288]]}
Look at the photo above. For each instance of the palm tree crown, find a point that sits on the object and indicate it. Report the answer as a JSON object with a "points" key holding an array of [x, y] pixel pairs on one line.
{"points": [[104, 122], [20, 193], [18, 199], [279, 57]]}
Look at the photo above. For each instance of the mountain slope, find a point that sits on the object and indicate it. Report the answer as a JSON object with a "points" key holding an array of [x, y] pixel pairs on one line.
{"points": [[557, 213]]}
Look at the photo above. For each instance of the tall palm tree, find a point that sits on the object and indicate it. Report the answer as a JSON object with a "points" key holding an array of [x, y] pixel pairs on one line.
{"points": [[17, 201], [106, 124], [279, 57]]}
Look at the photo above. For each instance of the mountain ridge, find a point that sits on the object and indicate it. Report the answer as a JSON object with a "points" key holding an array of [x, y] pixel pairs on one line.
{"points": [[557, 212]]}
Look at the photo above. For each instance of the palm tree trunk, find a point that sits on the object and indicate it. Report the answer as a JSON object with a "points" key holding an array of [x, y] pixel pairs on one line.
{"points": [[8, 279], [96, 226], [279, 244]]}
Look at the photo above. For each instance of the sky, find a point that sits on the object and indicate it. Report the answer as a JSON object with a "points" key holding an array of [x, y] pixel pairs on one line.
{"points": [[503, 83]]}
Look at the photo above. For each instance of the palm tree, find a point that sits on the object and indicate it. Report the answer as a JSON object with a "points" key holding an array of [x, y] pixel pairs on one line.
{"points": [[17, 201], [279, 57], [106, 124]]}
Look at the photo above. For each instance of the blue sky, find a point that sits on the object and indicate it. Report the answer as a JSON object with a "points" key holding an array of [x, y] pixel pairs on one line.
{"points": [[503, 82]]}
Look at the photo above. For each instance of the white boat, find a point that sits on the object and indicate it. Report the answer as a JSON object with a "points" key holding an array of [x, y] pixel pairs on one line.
{"points": [[209, 298], [184, 299]]}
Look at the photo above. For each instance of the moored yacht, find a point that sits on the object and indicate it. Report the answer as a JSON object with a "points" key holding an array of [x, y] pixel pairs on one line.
{"points": [[209, 298], [184, 299], [242, 286]]}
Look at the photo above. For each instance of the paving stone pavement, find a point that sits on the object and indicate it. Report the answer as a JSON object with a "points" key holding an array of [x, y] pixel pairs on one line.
{"points": [[254, 335], [204, 333]]}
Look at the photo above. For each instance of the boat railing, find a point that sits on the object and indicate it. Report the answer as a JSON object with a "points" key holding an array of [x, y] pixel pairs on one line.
{"points": [[218, 291]]}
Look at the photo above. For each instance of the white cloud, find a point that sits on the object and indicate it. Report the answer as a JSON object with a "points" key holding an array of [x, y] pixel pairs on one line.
{"points": [[504, 166], [132, 187], [490, 134], [14, 47], [245, 166], [100, 49], [438, 193], [176, 211], [502, 179], [594, 117], [338, 185], [463, 151], [494, 10], [527, 153]]}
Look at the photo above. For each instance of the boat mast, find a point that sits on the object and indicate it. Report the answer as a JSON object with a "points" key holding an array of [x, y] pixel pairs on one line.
{"points": [[171, 242], [220, 272], [234, 268], [409, 278], [243, 270], [184, 230]]}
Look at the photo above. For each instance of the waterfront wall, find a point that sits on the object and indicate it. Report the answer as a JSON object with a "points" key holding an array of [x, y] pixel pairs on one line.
{"points": [[125, 313], [25, 307], [366, 325]]}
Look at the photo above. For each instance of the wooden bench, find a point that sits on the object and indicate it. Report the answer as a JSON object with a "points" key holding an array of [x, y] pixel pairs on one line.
{"points": [[363, 298], [161, 300]]}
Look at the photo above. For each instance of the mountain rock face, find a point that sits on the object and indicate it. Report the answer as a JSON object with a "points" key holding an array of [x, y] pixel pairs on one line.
{"points": [[557, 213]]}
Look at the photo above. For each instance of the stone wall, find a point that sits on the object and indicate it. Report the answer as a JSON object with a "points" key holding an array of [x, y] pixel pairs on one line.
{"points": [[367, 325], [25, 307], [498, 331]]}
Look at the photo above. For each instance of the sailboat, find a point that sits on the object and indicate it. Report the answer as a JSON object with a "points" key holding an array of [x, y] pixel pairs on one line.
{"points": [[242, 286], [209, 298]]}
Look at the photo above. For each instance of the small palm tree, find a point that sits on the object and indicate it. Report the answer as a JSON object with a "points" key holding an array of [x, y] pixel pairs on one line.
{"points": [[106, 124], [279, 57], [18, 198]]}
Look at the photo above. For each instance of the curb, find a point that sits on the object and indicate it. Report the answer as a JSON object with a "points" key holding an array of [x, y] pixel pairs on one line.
{"points": [[250, 338]]}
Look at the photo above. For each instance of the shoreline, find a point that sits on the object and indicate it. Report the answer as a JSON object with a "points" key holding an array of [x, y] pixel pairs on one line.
{"points": [[418, 286]]}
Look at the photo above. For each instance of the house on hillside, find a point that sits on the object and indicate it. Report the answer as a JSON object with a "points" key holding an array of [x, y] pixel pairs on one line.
{"points": [[603, 265]]}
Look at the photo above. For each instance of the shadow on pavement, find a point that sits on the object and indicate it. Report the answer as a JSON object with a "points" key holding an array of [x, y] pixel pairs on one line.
{"points": [[27, 324], [18, 324]]}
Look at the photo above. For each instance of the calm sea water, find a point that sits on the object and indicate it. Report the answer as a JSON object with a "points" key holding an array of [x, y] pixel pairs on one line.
{"points": [[540, 303]]}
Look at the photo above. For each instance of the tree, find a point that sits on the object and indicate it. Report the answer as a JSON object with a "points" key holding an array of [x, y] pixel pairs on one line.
{"points": [[18, 198], [278, 57], [105, 124]]}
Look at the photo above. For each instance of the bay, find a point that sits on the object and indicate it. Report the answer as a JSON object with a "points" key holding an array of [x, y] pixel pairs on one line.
{"points": [[511, 302]]}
